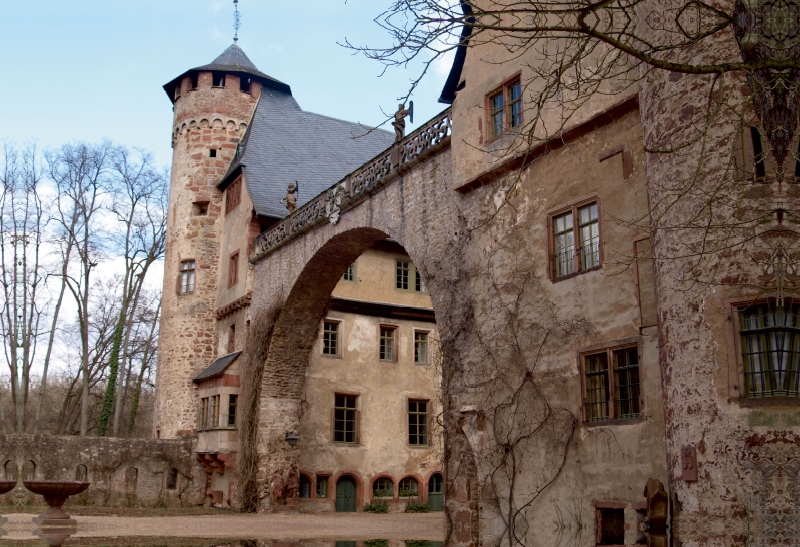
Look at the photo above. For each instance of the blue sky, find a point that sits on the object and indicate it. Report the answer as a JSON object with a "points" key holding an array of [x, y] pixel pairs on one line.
{"points": [[91, 69]]}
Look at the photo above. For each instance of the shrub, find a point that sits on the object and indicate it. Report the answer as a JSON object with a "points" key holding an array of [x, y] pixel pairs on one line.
{"points": [[377, 507], [376, 543], [417, 507]]}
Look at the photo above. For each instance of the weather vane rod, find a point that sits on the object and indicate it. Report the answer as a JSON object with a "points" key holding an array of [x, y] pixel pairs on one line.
{"points": [[236, 20]]}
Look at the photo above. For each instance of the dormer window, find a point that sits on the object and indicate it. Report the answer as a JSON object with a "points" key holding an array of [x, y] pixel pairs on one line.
{"points": [[218, 79]]}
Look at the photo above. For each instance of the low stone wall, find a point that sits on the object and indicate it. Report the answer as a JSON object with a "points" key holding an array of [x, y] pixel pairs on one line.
{"points": [[123, 472]]}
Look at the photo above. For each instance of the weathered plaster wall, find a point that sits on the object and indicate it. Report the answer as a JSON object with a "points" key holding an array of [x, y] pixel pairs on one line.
{"points": [[205, 118], [383, 390], [107, 462]]}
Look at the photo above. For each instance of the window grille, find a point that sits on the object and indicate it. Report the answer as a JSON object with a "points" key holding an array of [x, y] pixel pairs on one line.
{"points": [[564, 246], [770, 336], [418, 423], [344, 419], [612, 394]]}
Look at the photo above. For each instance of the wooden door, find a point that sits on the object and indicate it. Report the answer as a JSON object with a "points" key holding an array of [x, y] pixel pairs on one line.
{"points": [[435, 496], [346, 495]]}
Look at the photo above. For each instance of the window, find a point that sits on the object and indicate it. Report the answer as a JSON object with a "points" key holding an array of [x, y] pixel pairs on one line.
{"points": [[212, 153], [232, 338], [610, 526], [770, 338], [387, 352], [758, 153], [330, 338], [305, 487], [322, 486], [408, 488], [344, 419], [233, 195], [420, 348], [612, 393], [233, 400], [418, 423], [194, 79], [350, 273], [405, 273], [213, 412], [233, 269], [505, 108], [382, 488], [244, 83], [200, 208], [218, 79], [567, 258], [202, 418], [186, 277]]}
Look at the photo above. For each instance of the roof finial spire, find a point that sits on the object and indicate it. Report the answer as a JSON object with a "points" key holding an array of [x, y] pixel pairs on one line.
{"points": [[236, 20]]}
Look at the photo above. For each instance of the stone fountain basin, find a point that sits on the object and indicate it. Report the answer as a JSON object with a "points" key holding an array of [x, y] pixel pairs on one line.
{"points": [[7, 486], [55, 494]]}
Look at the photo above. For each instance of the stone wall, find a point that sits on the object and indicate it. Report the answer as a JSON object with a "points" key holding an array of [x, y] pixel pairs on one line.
{"points": [[123, 472]]}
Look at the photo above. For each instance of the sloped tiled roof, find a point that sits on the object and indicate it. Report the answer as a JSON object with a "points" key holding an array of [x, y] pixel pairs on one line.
{"points": [[217, 367], [285, 144], [233, 57]]}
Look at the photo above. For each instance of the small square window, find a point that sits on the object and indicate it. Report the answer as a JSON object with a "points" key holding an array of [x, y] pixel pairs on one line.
{"points": [[200, 208], [330, 338], [322, 486], [388, 352], [420, 348], [610, 526], [212, 153]]}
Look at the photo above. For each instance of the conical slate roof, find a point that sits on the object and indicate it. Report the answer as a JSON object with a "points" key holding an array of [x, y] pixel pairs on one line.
{"points": [[232, 60]]}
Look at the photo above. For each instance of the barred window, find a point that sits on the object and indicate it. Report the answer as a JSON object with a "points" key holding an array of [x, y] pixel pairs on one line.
{"points": [[330, 338], [770, 336], [421, 348], [418, 423], [612, 393], [387, 352], [344, 419]]}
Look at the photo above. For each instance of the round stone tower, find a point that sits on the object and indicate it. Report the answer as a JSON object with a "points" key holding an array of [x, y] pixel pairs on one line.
{"points": [[213, 106]]}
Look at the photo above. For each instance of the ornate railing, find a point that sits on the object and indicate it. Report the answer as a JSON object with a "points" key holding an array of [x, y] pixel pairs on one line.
{"points": [[426, 141]]}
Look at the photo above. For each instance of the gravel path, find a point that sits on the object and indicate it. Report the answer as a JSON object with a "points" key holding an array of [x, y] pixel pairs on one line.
{"points": [[328, 526]]}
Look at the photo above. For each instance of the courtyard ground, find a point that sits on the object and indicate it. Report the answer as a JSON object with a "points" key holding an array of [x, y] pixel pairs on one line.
{"points": [[215, 528]]}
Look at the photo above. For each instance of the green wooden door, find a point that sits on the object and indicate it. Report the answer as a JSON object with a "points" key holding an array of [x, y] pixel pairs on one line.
{"points": [[346, 495], [435, 497]]}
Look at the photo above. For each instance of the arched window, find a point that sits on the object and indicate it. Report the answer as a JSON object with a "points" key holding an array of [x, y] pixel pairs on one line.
{"points": [[172, 479], [81, 473], [10, 470], [305, 487], [408, 488], [29, 471], [383, 488]]}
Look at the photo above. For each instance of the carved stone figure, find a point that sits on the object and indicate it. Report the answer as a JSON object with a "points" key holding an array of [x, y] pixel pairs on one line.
{"points": [[399, 122], [278, 484], [292, 489], [290, 199]]}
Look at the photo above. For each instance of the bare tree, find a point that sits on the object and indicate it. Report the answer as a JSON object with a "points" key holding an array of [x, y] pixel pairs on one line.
{"points": [[79, 173], [22, 222], [139, 204]]}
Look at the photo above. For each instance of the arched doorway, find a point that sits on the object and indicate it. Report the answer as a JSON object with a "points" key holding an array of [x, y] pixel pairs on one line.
{"points": [[346, 495], [435, 492]]}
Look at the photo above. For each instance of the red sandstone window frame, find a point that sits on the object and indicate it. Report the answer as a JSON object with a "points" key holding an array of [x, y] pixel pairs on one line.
{"points": [[504, 90], [191, 273], [736, 368], [233, 268], [608, 348], [573, 207]]}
